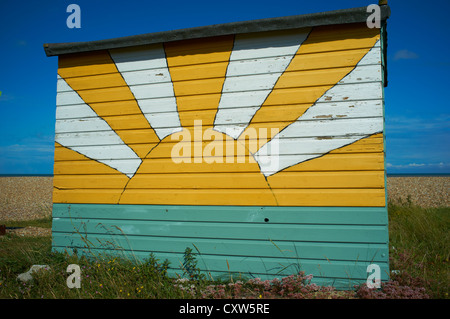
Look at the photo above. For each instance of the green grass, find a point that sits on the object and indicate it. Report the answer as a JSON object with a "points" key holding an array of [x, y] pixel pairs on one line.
{"points": [[418, 250], [419, 239], [45, 222]]}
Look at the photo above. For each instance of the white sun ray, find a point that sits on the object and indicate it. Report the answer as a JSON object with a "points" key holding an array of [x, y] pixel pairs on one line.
{"points": [[349, 111], [256, 63], [80, 134], [147, 75]]}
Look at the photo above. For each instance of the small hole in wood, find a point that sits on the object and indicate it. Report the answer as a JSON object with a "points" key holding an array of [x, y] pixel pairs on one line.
{"points": [[266, 219]]}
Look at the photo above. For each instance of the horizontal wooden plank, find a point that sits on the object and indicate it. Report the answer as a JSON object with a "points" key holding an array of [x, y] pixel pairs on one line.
{"points": [[228, 247], [230, 214], [245, 80], [333, 122], [207, 230], [110, 80], [279, 113], [240, 197], [340, 37], [139, 57], [138, 136], [331, 162], [230, 180], [197, 151], [82, 64]]}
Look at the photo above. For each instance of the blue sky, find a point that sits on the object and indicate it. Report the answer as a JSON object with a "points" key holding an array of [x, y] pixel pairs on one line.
{"points": [[417, 104]]}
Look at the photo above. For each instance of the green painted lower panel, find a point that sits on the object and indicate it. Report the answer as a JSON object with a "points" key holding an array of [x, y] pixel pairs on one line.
{"points": [[335, 245]]}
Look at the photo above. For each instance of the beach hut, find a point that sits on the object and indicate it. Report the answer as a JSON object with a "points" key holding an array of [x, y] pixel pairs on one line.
{"points": [[258, 144]]}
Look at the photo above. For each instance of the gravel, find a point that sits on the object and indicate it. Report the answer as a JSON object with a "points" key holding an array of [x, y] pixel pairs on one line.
{"points": [[25, 198], [425, 191], [30, 197]]}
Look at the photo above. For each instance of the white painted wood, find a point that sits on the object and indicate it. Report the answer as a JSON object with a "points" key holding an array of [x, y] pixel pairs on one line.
{"points": [[254, 46], [158, 105], [153, 90], [362, 74], [272, 156], [257, 66], [293, 146], [160, 75], [337, 110], [242, 99], [127, 166], [142, 58], [373, 56], [117, 150], [250, 82], [267, 44], [62, 86], [88, 138], [68, 97], [328, 126], [353, 92], [333, 127], [73, 112], [152, 87], [105, 152], [94, 123]]}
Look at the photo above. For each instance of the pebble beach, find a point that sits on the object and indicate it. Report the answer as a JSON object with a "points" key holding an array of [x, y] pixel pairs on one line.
{"points": [[30, 197]]}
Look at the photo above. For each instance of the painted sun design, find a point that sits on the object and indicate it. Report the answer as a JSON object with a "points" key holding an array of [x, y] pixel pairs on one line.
{"points": [[317, 92]]}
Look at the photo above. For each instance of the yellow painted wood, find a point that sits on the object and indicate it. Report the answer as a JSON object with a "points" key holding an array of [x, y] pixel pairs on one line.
{"points": [[195, 87], [342, 37], [373, 143], [102, 61], [121, 93], [82, 64], [199, 51], [97, 81], [138, 136], [198, 102], [109, 176], [62, 155], [239, 197], [341, 162], [229, 180], [350, 176], [330, 162], [346, 179], [321, 77], [305, 87], [90, 181], [87, 196], [368, 156], [196, 51], [199, 71], [323, 60], [134, 121], [116, 108], [196, 150], [332, 197]]}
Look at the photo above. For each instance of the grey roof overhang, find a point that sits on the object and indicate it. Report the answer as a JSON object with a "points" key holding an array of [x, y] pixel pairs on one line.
{"points": [[354, 15]]}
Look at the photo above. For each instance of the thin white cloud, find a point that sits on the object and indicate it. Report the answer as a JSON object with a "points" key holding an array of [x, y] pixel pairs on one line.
{"points": [[405, 55], [415, 165], [403, 124]]}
